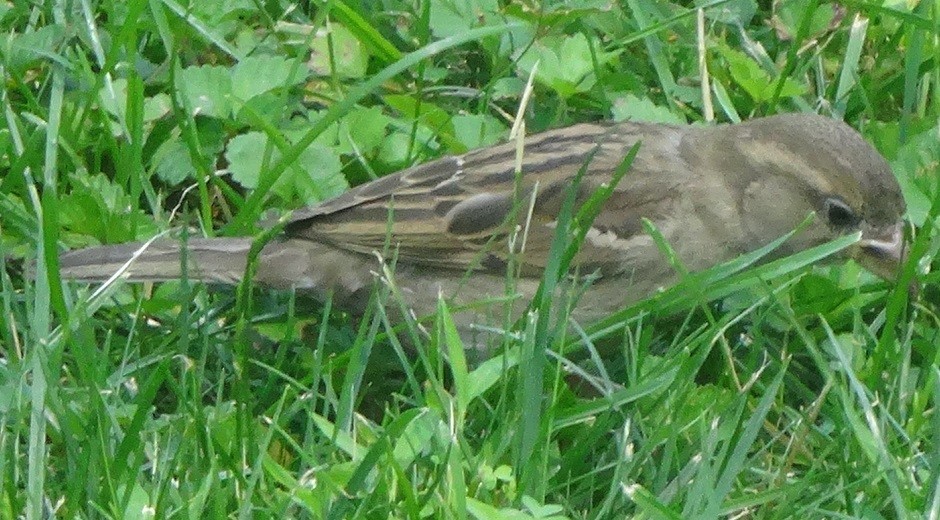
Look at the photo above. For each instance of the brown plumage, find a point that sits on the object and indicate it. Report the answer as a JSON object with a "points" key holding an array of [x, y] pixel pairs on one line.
{"points": [[714, 192]]}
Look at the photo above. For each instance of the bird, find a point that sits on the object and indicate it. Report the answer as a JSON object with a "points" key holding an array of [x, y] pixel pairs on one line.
{"points": [[454, 225]]}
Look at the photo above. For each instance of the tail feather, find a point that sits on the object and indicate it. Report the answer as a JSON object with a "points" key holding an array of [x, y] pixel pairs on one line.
{"points": [[283, 264], [220, 260]]}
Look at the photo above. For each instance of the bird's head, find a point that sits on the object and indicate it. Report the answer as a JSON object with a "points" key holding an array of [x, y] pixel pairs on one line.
{"points": [[800, 163]]}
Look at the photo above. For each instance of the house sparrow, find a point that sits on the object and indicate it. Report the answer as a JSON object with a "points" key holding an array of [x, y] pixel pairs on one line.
{"points": [[713, 192]]}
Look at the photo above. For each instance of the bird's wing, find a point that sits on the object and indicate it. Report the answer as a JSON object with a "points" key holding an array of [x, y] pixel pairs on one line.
{"points": [[459, 212]]}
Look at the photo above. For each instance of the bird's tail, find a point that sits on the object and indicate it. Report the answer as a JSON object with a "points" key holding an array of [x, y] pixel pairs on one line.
{"points": [[219, 260]]}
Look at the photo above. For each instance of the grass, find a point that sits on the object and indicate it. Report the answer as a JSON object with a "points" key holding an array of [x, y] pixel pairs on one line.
{"points": [[774, 391]]}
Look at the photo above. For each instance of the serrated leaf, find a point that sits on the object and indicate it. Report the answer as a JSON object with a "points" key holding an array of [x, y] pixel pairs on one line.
{"points": [[173, 163], [324, 177], [757, 82], [214, 11], [478, 130], [245, 155], [113, 99], [157, 106], [629, 107], [259, 74], [99, 208], [789, 14], [366, 127], [350, 58], [452, 18], [207, 90], [566, 64], [394, 150], [508, 88], [316, 176]]}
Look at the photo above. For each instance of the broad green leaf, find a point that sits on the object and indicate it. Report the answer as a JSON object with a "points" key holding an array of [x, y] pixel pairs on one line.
{"points": [[207, 90], [789, 13], [566, 64], [323, 179], [478, 130], [245, 155], [315, 177], [450, 18], [366, 128], [259, 74], [629, 107], [349, 57], [757, 82], [173, 163]]}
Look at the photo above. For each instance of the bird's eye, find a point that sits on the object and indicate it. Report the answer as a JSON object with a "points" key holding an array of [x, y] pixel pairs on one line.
{"points": [[839, 214]]}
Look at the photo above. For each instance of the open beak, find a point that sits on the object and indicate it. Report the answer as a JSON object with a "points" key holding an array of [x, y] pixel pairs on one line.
{"points": [[882, 251]]}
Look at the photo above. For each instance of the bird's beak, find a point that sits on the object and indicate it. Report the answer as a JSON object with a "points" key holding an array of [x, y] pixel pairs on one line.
{"points": [[882, 251]]}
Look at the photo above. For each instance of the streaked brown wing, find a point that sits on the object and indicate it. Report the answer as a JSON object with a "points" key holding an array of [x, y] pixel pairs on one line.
{"points": [[454, 212]]}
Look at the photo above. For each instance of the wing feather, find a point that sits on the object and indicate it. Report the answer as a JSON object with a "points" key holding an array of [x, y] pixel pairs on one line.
{"points": [[457, 211]]}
